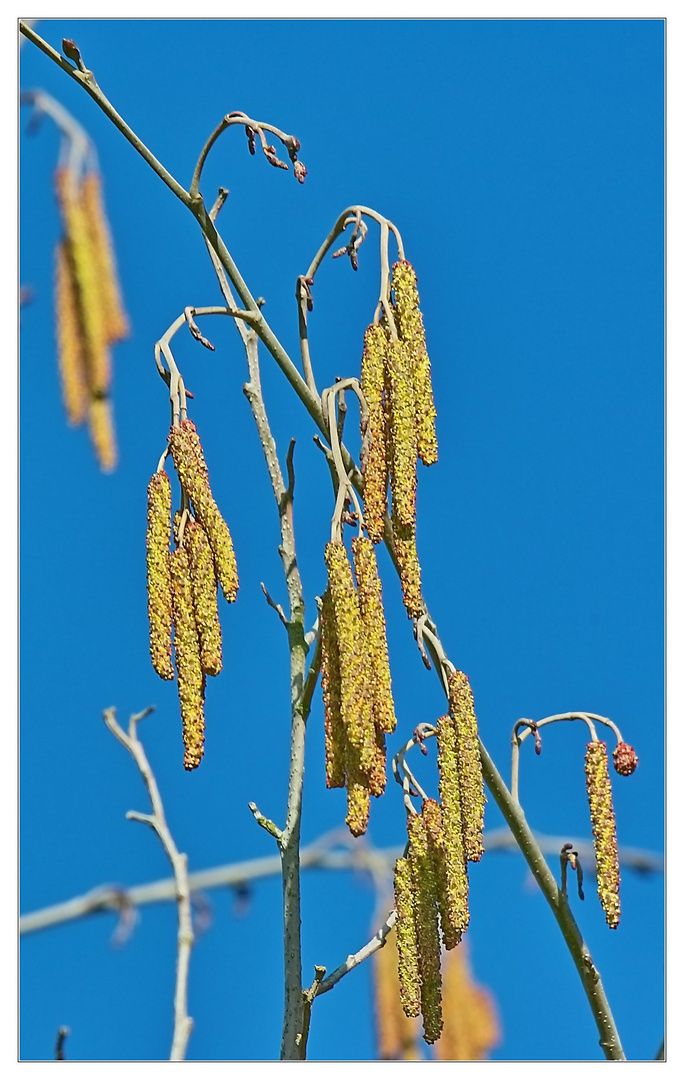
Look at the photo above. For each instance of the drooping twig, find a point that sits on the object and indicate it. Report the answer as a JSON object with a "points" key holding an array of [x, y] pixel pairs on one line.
{"points": [[179, 862]]}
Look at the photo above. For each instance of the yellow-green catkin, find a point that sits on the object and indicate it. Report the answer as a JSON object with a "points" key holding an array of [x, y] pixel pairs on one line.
{"points": [[204, 597], [86, 275], [103, 438], [332, 698], [115, 321], [188, 666], [159, 602], [427, 928], [410, 327], [193, 475], [358, 800], [373, 615], [396, 1034], [373, 373], [462, 711], [407, 939], [432, 816], [403, 447], [452, 825], [409, 574], [69, 340], [603, 827], [353, 654]]}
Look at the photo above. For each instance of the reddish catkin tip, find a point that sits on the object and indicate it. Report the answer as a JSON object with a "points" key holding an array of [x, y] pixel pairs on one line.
{"points": [[407, 940], [625, 760], [159, 603], [603, 828], [373, 375], [425, 889], [373, 616], [410, 326], [469, 764], [188, 665]]}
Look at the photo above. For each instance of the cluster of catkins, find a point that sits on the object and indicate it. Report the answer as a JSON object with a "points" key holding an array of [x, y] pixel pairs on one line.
{"points": [[182, 583], [396, 382], [431, 880], [602, 814], [355, 678], [90, 315]]}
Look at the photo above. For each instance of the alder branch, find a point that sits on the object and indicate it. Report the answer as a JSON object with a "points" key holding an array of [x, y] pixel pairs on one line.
{"points": [[179, 862]]}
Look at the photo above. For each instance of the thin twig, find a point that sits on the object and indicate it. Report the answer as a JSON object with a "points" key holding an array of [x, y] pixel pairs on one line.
{"points": [[354, 959], [179, 862]]}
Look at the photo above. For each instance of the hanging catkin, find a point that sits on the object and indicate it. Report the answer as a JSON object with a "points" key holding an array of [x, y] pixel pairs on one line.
{"points": [[159, 602], [603, 828]]}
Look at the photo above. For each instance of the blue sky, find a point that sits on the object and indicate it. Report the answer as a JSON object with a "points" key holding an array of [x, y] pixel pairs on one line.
{"points": [[523, 163]]}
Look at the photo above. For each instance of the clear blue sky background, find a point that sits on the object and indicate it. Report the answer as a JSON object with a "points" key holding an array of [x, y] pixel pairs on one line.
{"points": [[523, 163]]}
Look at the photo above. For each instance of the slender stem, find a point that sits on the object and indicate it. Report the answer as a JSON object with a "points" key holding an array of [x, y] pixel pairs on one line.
{"points": [[179, 863]]}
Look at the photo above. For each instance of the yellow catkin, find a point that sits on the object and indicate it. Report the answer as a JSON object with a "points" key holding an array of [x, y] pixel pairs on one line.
{"points": [[373, 615], [159, 602], [471, 1023], [354, 665], [358, 802], [410, 327], [469, 764], [407, 940], [204, 597], [403, 449], [603, 827], [69, 340], [373, 372], [102, 435], [192, 472], [396, 1034], [427, 928], [115, 321], [188, 666], [432, 816], [377, 774], [409, 574], [452, 825], [86, 275], [332, 698]]}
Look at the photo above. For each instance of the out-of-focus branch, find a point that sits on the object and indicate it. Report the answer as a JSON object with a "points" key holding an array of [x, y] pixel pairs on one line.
{"points": [[316, 856], [179, 862]]}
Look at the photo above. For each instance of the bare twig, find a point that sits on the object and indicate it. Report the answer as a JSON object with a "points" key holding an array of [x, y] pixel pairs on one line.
{"points": [[179, 863], [354, 959]]}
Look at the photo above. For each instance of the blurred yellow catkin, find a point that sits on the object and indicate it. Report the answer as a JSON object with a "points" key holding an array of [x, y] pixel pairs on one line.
{"points": [[69, 341], [471, 1024], [396, 1034], [114, 316]]}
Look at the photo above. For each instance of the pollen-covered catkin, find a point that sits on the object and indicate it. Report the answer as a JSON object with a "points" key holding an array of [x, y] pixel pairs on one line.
{"points": [[410, 326], [373, 615], [358, 802], [373, 373], [452, 824], [469, 764], [409, 573], [190, 676], [192, 473], [102, 432], [432, 816], [396, 1034], [403, 447], [86, 276], [204, 587], [332, 697], [427, 928], [354, 666], [115, 321], [407, 940], [603, 827], [69, 340], [159, 602]]}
